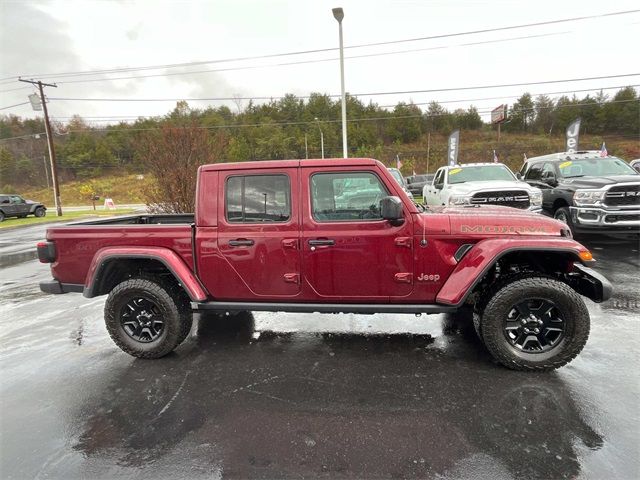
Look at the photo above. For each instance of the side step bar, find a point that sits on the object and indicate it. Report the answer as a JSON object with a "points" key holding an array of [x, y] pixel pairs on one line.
{"points": [[322, 307]]}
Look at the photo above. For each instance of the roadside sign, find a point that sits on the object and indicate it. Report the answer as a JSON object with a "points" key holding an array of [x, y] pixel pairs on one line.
{"points": [[499, 114], [109, 204]]}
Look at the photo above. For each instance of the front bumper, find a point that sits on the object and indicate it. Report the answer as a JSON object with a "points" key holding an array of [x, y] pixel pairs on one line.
{"points": [[535, 209], [600, 219]]}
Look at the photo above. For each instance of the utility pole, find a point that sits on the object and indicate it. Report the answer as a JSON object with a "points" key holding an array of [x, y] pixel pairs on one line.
{"points": [[52, 152]]}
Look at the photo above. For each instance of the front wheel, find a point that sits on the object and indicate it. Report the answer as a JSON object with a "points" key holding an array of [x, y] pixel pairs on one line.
{"points": [[39, 212], [146, 318], [535, 323]]}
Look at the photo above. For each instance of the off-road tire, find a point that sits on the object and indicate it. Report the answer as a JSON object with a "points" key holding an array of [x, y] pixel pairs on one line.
{"points": [[1, 216], [39, 212], [570, 305], [176, 315], [563, 214]]}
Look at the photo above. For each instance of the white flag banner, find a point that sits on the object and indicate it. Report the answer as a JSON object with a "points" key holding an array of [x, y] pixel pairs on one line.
{"points": [[454, 146]]}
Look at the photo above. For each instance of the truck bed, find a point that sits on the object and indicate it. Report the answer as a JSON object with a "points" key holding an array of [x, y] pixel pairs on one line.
{"points": [[77, 243], [145, 219]]}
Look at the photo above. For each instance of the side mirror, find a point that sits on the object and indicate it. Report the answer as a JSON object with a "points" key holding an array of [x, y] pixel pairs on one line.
{"points": [[549, 178], [439, 186], [518, 175], [391, 210]]}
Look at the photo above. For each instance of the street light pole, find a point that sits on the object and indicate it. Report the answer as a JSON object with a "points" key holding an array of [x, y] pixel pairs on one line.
{"points": [[338, 14], [321, 136]]}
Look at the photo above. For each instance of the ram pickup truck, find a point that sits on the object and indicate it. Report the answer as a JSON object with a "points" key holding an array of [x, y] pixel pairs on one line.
{"points": [[588, 192], [297, 236], [481, 184]]}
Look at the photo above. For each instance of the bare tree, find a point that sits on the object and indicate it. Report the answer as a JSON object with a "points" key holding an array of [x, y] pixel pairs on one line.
{"points": [[173, 154]]}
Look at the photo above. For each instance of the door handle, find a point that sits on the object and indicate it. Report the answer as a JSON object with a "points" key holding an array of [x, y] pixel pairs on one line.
{"points": [[241, 242], [321, 242]]}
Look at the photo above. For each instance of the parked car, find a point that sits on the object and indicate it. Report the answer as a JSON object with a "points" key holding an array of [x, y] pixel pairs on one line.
{"points": [[481, 184], [416, 183], [635, 164], [588, 192], [400, 179], [270, 236], [15, 206]]}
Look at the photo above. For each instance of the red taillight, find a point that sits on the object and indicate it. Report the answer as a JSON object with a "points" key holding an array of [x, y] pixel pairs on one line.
{"points": [[46, 252]]}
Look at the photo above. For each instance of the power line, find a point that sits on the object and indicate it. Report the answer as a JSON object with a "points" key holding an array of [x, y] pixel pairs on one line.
{"points": [[369, 119], [320, 50], [302, 62], [433, 90], [16, 105], [144, 116]]}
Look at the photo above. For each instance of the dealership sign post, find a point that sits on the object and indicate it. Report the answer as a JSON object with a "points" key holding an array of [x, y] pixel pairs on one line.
{"points": [[454, 146], [499, 115], [573, 132]]}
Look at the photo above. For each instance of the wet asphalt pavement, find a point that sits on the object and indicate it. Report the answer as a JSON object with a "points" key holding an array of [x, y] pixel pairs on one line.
{"points": [[302, 395]]}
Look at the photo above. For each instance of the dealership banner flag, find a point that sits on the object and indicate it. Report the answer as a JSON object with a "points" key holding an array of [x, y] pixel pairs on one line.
{"points": [[573, 131], [454, 146]]}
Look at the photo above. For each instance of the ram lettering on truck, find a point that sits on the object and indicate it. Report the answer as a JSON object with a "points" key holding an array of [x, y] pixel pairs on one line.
{"points": [[330, 236]]}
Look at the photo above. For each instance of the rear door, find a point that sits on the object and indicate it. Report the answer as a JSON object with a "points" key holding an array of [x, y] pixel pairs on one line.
{"points": [[349, 252], [258, 233]]}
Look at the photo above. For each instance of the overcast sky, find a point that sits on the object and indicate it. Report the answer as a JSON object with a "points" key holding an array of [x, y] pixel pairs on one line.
{"points": [[49, 37]]}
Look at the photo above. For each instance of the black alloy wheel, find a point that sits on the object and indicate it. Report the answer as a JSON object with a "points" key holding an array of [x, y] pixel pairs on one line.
{"points": [[142, 320], [534, 326]]}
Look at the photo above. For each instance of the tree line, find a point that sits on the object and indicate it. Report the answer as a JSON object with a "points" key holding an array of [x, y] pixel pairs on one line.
{"points": [[287, 128]]}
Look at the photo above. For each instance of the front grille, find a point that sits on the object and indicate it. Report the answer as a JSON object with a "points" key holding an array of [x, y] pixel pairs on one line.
{"points": [[621, 218], [506, 198], [622, 195]]}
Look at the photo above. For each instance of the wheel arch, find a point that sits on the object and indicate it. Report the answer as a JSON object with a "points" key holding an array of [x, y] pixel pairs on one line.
{"points": [[475, 267], [112, 266]]}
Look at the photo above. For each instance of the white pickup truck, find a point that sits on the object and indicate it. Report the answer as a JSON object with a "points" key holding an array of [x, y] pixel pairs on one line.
{"points": [[481, 184]]}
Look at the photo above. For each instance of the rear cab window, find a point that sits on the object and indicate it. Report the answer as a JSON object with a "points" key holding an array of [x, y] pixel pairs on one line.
{"points": [[258, 198]]}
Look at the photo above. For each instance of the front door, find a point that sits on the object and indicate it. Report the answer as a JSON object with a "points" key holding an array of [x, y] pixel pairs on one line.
{"points": [[258, 234], [349, 252]]}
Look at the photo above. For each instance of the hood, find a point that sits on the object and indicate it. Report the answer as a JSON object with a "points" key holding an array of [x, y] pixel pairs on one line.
{"points": [[488, 186], [495, 220], [599, 182]]}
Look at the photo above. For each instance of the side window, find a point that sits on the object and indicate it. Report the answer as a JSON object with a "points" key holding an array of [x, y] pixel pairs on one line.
{"points": [[346, 196], [16, 199], [258, 198], [535, 172], [4, 199], [548, 170], [439, 178]]}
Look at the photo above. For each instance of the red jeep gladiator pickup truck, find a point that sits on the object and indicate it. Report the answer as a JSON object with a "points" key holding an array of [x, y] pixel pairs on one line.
{"points": [[331, 236]]}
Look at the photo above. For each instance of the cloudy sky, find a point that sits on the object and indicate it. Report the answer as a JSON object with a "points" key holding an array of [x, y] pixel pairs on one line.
{"points": [[59, 41]]}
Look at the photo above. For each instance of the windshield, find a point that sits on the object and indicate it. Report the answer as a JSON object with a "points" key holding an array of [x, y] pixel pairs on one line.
{"points": [[397, 175], [596, 167], [480, 173]]}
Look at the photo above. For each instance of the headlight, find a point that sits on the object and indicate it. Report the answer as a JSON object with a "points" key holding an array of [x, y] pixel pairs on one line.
{"points": [[459, 200], [536, 198], [588, 197]]}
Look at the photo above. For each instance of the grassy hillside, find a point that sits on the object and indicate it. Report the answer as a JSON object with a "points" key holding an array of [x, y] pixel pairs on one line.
{"points": [[122, 189]]}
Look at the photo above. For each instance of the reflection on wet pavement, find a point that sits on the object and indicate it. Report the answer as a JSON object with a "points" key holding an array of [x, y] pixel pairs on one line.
{"points": [[302, 395]]}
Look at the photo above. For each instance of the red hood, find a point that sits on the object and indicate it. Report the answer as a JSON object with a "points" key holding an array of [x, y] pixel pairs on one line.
{"points": [[491, 220]]}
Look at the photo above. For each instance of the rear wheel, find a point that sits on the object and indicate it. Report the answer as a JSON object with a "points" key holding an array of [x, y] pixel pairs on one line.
{"points": [[39, 212], [145, 318], [535, 323]]}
